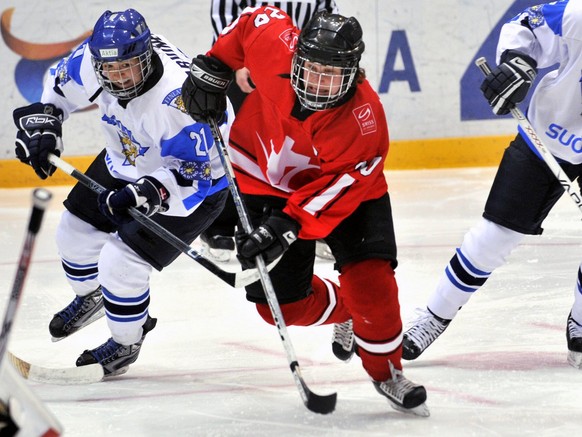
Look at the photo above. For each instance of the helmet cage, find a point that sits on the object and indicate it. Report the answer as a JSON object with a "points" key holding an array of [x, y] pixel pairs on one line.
{"points": [[122, 38], [327, 59], [317, 86], [109, 78]]}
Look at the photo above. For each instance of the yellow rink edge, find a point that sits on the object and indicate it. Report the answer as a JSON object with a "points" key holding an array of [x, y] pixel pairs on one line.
{"points": [[403, 155]]}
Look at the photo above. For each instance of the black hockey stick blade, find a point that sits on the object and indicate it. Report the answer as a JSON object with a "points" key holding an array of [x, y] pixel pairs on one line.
{"points": [[316, 403], [321, 404]]}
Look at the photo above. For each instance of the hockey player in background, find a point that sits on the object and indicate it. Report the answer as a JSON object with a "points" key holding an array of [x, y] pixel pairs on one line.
{"points": [[524, 190], [309, 146], [155, 159], [218, 239]]}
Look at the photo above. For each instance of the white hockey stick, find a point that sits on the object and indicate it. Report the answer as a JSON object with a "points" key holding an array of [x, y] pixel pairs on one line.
{"points": [[52, 375], [314, 402], [40, 200], [28, 412], [537, 142], [234, 279]]}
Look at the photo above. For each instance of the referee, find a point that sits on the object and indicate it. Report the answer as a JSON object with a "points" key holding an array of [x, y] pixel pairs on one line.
{"points": [[224, 12]]}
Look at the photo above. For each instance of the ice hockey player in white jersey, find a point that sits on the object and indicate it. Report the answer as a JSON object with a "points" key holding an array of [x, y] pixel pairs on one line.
{"points": [[524, 190], [156, 158]]}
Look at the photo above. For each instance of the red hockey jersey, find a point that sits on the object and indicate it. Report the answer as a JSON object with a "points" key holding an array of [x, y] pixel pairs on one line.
{"points": [[324, 163]]}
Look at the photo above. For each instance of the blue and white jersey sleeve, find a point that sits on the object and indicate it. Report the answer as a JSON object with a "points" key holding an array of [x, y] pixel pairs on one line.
{"points": [[552, 35], [71, 83]]}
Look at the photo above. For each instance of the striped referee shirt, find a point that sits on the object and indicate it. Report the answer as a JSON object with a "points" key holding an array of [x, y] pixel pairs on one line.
{"points": [[224, 12]]}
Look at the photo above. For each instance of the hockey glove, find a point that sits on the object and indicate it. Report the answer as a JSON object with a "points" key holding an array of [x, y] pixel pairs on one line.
{"points": [[204, 90], [270, 239], [147, 194], [39, 133], [509, 83]]}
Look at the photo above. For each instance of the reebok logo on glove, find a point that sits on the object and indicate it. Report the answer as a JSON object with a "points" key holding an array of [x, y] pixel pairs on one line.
{"points": [[34, 121]]}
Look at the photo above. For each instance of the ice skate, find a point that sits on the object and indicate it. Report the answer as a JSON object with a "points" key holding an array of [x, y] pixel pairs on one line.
{"points": [[114, 357], [342, 342], [217, 247], [424, 331], [82, 311], [402, 394], [574, 337]]}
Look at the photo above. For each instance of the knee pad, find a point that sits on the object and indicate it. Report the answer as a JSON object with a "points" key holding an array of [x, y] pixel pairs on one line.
{"points": [[488, 244], [77, 240], [121, 270], [323, 306]]}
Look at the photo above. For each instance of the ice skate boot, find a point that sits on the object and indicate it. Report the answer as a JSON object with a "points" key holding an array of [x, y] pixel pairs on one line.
{"points": [[574, 337], [82, 311], [425, 329], [114, 357], [217, 247], [402, 394], [342, 342]]}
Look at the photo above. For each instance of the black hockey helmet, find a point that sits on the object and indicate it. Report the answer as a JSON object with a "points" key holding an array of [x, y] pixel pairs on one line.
{"points": [[332, 41]]}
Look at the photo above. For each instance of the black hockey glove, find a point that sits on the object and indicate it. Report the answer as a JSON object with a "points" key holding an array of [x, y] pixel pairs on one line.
{"points": [[270, 239], [509, 83], [204, 90], [147, 194], [39, 133]]}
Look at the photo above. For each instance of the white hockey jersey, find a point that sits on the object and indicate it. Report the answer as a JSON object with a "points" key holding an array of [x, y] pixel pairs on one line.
{"points": [[151, 134], [552, 34]]}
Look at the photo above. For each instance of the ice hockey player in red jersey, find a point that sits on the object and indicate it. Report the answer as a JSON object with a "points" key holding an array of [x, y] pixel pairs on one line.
{"points": [[308, 147]]}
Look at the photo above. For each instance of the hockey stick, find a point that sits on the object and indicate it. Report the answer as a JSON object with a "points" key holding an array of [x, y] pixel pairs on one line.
{"points": [[40, 200], [77, 375], [234, 279], [28, 412], [52, 375], [542, 150], [314, 402]]}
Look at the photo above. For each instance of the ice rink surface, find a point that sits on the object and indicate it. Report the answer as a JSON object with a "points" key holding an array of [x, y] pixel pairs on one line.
{"points": [[211, 367]]}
